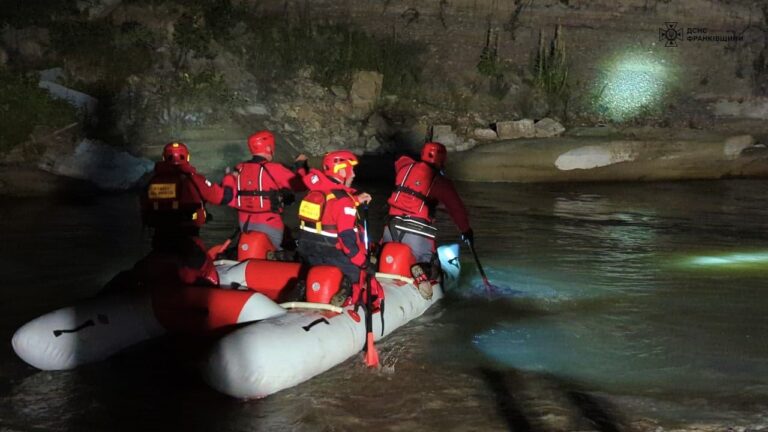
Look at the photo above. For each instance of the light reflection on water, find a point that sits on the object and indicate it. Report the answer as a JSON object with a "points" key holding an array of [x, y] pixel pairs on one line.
{"points": [[590, 298]]}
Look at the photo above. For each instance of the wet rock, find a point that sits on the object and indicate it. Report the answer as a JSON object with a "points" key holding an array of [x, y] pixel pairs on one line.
{"points": [[515, 129], [485, 134], [107, 167], [662, 154], [594, 156], [547, 127]]}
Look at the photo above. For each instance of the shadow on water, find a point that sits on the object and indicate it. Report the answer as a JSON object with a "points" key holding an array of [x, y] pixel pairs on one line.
{"points": [[519, 398], [529, 401]]}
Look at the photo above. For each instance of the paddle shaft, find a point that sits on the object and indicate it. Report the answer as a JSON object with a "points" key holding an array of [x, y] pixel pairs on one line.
{"points": [[479, 266], [371, 356]]}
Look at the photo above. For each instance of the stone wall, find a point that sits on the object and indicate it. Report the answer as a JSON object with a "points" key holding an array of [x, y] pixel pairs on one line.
{"points": [[595, 33]]}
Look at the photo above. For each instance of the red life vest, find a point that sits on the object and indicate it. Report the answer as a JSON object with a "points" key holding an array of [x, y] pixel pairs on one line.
{"points": [[411, 195], [172, 200], [257, 191]]}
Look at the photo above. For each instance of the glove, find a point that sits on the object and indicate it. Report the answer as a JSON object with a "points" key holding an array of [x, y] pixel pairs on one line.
{"points": [[468, 236]]}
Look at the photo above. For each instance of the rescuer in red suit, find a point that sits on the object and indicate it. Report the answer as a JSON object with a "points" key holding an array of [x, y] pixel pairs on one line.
{"points": [[419, 187], [174, 205], [330, 230], [262, 188]]}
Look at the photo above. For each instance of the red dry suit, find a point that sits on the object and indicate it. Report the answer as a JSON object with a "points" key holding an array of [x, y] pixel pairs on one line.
{"points": [[330, 231], [261, 190], [420, 188], [174, 205]]}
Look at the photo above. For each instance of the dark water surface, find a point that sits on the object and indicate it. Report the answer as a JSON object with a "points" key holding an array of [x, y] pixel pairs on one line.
{"points": [[617, 307]]}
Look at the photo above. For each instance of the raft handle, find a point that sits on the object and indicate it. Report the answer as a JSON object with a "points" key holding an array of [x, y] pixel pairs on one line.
{"points": [[308, 305], [397, 277]]}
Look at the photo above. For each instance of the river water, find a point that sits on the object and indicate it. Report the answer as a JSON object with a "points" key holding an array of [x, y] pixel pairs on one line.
{"points": [[615, 307]]}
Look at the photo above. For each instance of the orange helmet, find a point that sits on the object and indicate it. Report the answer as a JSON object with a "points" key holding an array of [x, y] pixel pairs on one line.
{"points": [[338, 160], [176, 153], [262, 142], [434, 153]]}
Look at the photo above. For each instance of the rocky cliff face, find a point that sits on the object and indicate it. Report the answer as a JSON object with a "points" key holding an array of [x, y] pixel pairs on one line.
{"points": [[384, 75], [707, 49]]}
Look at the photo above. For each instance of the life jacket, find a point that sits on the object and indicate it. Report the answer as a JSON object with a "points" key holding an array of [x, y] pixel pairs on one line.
{"points": [[172, 200], [411, 195], [314, 217], [257, 191]]}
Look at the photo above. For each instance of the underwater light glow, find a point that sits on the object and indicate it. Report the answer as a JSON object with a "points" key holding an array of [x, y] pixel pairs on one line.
{"points": [[730, 259], [631, 83]]}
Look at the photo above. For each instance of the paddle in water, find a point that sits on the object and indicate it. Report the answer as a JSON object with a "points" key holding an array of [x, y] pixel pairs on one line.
{"points": [[488, 286], [371, 355]]}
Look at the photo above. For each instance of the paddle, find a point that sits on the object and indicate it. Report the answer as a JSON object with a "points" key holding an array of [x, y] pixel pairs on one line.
{"points": [[371, 355], [488, 286]]}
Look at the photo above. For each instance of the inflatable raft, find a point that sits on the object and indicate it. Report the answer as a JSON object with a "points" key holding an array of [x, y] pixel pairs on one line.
{"points": [[102, 326], [265, 357]]}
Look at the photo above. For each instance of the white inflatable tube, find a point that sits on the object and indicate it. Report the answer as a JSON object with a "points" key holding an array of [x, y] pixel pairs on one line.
{"points": [[86, 333], [274, 354]]}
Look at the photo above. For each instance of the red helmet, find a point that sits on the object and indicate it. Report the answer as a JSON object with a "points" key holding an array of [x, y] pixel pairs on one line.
{"points": [[262, 142], [434, 153], [338, 160], [176, 153]]}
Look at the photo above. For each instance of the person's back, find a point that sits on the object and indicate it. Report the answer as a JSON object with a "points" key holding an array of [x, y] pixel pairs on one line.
{"points": [[174, 206], [262, 188], [419, 187], [330, 232]]}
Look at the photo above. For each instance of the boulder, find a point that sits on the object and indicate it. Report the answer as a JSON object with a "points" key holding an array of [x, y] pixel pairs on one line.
{"points": [[485, 134], [547, 128], [515, 129], [366, 89]]}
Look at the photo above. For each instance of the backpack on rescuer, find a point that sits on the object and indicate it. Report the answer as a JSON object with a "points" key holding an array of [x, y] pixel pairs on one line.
{"points": [[257, 190], [413, 186], [172, 201], [312, 208]]}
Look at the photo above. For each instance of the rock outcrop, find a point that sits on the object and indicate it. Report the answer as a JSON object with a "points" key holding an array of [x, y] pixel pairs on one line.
{"points": [[680, 154]]}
